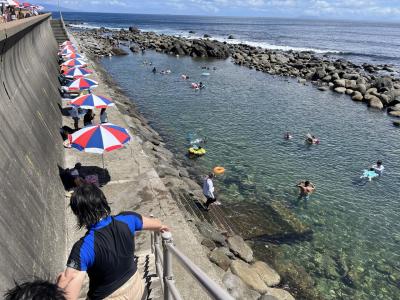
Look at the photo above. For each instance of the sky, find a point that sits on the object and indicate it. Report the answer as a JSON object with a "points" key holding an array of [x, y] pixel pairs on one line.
{"points": [[374, 10]]}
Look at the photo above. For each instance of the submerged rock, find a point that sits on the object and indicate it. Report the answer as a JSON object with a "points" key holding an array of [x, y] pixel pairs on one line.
{"points": [[279, 294], [249, 276], [266, 273], [237, 288]]}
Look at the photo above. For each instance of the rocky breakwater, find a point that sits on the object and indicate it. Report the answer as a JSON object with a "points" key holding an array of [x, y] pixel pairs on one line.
{"points": [[375, 85]]}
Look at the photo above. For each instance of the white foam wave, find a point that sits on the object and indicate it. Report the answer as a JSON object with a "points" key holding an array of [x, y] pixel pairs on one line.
{"points": [[88, 26]]}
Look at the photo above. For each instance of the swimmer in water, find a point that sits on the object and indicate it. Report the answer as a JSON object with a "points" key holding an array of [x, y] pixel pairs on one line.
{"points": [[378, 167], [154, 70], [312, 139], [201, 85], [288, 136], [306, 188]]}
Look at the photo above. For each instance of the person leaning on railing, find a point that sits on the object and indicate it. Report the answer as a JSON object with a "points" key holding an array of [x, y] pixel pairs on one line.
{"points": [[106, 252]]}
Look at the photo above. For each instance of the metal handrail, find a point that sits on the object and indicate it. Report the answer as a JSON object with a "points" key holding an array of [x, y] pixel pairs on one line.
{"points": [[164, 258]]}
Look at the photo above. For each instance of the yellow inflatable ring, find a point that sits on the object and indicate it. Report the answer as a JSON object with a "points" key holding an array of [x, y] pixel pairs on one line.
{"points": [[219, 170]]}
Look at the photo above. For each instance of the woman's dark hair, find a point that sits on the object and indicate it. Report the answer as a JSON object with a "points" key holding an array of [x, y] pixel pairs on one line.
{"points": [[89, 205], [379, 162], [38, 289]]}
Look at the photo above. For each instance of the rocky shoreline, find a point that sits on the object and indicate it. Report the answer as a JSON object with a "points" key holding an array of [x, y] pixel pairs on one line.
{"points": [[376, 85], [243, 275]]}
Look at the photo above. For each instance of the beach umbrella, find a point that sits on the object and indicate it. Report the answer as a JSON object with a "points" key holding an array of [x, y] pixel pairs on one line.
{"points": [[26, 4], [74, 63], [78, 72], [73, 55], [12, 3], [99, 138], [83, 84], [66, 43], [69, 47], [92, 101], [67, 51]]}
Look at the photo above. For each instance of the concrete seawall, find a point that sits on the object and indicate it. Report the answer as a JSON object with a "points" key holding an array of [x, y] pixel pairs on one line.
{"points": [[32, 214]]}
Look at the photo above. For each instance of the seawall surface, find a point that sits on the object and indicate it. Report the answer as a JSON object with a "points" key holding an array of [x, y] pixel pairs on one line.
{"points": [[31, 194]]}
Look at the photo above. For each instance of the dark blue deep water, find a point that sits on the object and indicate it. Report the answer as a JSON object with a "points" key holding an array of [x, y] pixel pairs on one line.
{"points": [[244, 114], [359, 41]]}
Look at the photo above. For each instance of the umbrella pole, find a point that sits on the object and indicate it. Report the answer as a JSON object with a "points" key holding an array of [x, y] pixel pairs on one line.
{"points": [[102, 158]]}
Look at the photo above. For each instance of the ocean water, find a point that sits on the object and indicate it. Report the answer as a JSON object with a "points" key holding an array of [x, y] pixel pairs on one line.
{"points": [[244, 114], [360, 42]]}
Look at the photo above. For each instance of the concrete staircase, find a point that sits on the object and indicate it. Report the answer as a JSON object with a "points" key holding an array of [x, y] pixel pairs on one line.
{"points": [[58, 30]]}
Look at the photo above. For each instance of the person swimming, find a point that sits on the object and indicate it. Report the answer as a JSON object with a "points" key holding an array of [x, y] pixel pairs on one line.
{"points": [[201, 85], [288, 136], [378, 167], [154, 70], [369, 174], [312, 139]]}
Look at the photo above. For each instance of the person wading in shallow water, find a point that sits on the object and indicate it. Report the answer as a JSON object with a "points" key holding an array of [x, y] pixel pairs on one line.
{"points": [[306, 189]]}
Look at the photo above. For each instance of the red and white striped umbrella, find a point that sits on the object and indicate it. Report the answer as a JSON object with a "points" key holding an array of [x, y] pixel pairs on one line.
{"points": [[66, 43], [73, 55], [78, 72], [91, 101], [83, 84], [99, 138], [74, 63]]}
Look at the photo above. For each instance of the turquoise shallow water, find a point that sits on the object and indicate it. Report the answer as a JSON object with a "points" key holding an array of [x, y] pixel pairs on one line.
{"points": [[244, 115]]}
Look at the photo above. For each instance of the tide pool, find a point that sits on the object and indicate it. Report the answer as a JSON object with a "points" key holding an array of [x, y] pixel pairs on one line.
{"points": [[354, 252]]}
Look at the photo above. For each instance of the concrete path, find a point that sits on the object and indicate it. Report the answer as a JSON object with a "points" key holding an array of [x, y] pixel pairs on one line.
{"points": [[135, 185]]}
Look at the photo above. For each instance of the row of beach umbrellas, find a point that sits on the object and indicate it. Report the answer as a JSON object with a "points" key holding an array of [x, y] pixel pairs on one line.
{"points": [[99, 138]]}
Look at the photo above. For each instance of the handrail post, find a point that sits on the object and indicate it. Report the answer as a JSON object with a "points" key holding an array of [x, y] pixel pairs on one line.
{"points": [[156, 243], [167, 268]]}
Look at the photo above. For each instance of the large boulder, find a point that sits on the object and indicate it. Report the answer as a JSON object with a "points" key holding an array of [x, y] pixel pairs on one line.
{"points": [[340, 83], [357, 96], [266, 273], [383, 82], [340, 90], [135, 49], [118, 51], [218, 257], [394, 113], [239, 247], [237, 289], [374, 102], [361, 88], [134, 29], [249, 276], [279, 294], [280, 58]]}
